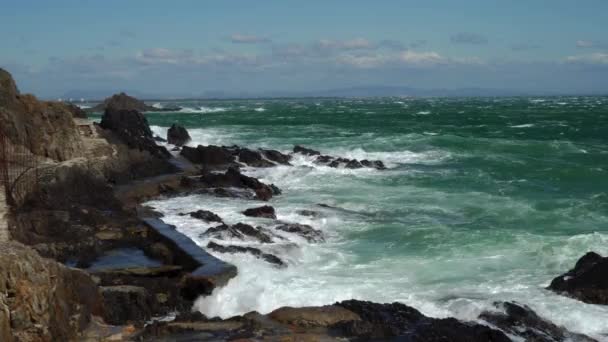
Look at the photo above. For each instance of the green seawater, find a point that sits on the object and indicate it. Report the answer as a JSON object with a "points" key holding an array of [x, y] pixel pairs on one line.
{"points": [[484, 199]]}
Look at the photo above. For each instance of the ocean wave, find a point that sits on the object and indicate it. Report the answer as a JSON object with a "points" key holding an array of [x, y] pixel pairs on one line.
{"points": [[260, 109], [523, 126], [202, 110]]}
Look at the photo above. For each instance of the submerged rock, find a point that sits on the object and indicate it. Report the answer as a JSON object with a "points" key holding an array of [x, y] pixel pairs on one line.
{"points": [[587, 281], [263, 211], [225, 156], [250, 250], [206, 216], [304, 230], [178, 135], [521, 321], [240, 231], [336, 162]]}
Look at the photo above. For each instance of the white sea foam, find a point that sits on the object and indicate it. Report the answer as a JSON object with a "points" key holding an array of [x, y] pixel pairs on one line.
{"points": [[523, 126], [423, 112], [260, 109], [158, 105], [202, 110]]}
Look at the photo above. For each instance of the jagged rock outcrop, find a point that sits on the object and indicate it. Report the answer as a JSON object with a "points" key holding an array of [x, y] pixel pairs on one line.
{"points": [[44, 127], [76, 111], [206, 216], [122, 101], [42, 300], [234, 178], [132, 128], [587, 281], [336, 162], [178, 135], [272, 259], [219, 157], [520, 320]]}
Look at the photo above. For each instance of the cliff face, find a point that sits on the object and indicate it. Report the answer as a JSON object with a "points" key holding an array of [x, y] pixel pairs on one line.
{"points": [[42, 300], [47, 128]]}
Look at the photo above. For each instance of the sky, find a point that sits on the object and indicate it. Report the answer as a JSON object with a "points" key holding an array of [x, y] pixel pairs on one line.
{"points": [[242, 47]]}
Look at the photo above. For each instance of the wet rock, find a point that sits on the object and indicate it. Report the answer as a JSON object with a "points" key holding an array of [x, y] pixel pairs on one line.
{"points": [[263, 211], [277, 156], [397, 321], [587, 281], [309, 213], [520, 320], [253, 158], [209, 156], [132, 128], [126, 304], [159, 139], [250, 250], [178, 135], [206, 216], [321, 316], [305, 151], [240, 231], [304, 230], [234, 178], [76, 111], [377, 164]]}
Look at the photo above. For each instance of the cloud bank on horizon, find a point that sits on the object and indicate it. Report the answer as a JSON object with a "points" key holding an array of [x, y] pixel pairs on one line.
{"points": [[240, 47]]}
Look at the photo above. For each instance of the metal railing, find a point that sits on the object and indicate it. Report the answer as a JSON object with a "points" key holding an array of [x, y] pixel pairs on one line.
{"points": [[18, 169]]}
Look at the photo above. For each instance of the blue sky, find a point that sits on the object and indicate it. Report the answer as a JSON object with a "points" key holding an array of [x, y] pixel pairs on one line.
{"points": [[187, 48]]}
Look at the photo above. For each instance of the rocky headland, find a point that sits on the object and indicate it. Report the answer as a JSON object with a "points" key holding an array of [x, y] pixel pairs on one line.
{"points": [[86, 261]]}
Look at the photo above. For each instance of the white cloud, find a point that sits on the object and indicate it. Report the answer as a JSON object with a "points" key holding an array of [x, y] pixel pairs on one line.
{"points": [[353, 44], [414, 57], [594, 58], [238, 38], [584, 43]]}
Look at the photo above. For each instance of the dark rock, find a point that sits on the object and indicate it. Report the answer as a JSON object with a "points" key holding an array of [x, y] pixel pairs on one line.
{"points": [[234, 178], [324, 159], [309, 213], [277, 157], [126, 304], [353, 164], [178, 135], [305, 151], [275, 189], [253, 251], [132, 128], [239, 231], [253, 158], [159, 139], [520, 320], [304, 230], [397, 321], [206, 216], [377, 164], [208, 156], [263, 211], [587, 281], [311, 317], [122, 101]]}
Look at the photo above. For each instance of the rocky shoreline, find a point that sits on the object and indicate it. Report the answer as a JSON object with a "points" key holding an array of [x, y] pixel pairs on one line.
{"points": [[94, 264]]}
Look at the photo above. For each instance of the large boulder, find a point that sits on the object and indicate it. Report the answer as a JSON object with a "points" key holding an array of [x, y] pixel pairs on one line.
{"points": [[587, 281], [225, 156], [239, 231], [42, 300], [132, 128], [303, 230], [209, 156], [178, 135]]}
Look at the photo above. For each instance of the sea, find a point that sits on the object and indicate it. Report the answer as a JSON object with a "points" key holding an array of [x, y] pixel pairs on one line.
{"points": [[483, 200]]}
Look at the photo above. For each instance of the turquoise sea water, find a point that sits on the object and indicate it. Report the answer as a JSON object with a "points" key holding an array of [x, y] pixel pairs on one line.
{"points": [[484, 199]]}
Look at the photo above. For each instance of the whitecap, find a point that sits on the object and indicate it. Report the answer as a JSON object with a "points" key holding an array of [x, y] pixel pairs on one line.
{"points": [[423, 112], [260, 109], [522, 126], [202, 110]]}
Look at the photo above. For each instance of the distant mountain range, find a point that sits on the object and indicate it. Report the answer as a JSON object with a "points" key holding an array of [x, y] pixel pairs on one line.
{"points": [[364, 91]]}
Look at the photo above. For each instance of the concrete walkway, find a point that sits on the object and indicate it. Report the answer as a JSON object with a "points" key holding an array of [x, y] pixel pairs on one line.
{"points": [[4, 234]]}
